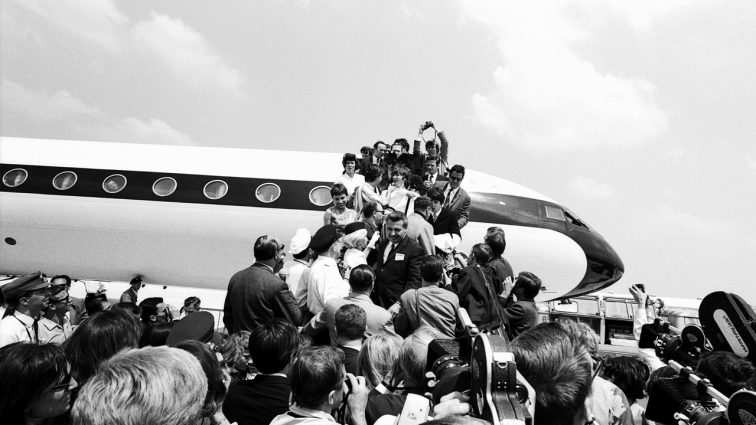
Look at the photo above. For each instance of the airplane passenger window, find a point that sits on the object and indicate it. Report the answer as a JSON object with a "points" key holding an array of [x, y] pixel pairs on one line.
{"points": [[267, 192], [64, 180], [321, 196], [215, 189], [114, 183], [554, 213], [15, 177], [164, 186]]}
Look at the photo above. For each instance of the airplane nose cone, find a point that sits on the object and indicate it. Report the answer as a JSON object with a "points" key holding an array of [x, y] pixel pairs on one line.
{"points": [[604, 266]]}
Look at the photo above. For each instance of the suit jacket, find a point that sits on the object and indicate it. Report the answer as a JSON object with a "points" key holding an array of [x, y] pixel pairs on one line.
{"points": [[129, 296], [446, 222], [257, 401], [460, 205], [421, 232], [256, 295], [400, 271], [520, 316]]}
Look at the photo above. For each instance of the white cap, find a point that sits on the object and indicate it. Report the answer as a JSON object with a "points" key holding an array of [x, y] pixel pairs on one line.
{"points": [[300, 241]]}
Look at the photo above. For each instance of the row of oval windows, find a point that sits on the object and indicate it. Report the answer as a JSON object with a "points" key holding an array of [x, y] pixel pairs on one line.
{"points": [[165, 186]]}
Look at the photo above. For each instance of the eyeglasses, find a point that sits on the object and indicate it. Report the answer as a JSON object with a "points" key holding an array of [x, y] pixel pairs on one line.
{"points": [[598, 364], [459, 179], [64, 385]]}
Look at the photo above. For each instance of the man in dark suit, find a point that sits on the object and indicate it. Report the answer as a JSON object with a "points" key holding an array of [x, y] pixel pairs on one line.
{"points": [[272, 347], [256, 294], [433, 177], [522, 314], [398, 265], [130, 295], [455, 198], [443, 220]]}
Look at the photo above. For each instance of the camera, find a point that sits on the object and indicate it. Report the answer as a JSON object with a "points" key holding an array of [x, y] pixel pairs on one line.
{"points": [[676, 394], [483, 365]]}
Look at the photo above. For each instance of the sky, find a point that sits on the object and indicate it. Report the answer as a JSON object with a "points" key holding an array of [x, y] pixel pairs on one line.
{"points": [[639, 116]]}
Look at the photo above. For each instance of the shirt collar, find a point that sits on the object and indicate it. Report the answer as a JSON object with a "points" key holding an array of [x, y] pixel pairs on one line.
{"points": [[259, 264], [301, 261], [26, 320], [359, 296], [49, 324], [312, 413], [328, 260]]}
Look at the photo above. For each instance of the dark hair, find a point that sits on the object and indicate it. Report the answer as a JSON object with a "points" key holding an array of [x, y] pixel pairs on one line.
{"points": [[457, 169], [348, 157], [530, 284], [628, 373], [380, 142], [129, 307], [94, 303], [369, 209], [397, 216], [372, 172], [155, 334], [149, 308], [436, 194], [98, 339], [422, 203], [351, 321], [432, 268], [339, 189], [216, 389], [482, 253], [403, 171], [272, 344], [361, 278], [727, 372], [431, 143], [302, 255], [26, 371], [192, 301], [315, 373], [559, 370], [62, 276], [403, 142], [266, 248], [496, 239]]}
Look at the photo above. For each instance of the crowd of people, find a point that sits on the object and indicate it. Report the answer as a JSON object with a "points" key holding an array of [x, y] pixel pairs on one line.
{"points": [[339, 332]]}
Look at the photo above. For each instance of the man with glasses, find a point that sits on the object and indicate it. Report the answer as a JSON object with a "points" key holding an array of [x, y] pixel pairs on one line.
{"points": [[456, 199], [26, 296], [54, 326], [256, 294]]}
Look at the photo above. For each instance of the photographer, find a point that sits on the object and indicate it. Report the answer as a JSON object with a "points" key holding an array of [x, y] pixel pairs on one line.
{"points": [[432, 149], [319, 386]]}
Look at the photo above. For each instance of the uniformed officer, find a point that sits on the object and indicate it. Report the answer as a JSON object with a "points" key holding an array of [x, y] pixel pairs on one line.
{"points": [[26, 297]]}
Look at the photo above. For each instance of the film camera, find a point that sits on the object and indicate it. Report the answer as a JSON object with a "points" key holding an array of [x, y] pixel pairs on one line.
{"points": [[676, 394], [483, 365]]}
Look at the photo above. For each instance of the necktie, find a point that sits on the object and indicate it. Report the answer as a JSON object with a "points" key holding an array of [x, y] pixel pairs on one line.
{"points": [[35, 328]]}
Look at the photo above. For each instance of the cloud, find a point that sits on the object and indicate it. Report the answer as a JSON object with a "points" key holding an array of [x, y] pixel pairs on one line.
{"points": [[668, 218], [185, 51], [98, 21], [545, 96], [43, 106], [76, 119], [131, 129], [591, 189], [675, 153], [752, 163]]}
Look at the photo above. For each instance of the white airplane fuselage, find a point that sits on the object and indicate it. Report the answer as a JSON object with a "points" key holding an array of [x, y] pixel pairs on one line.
{"points": [[186, 239]]}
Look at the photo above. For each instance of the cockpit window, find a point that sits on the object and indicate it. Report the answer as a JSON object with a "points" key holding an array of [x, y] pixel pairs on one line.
{"points": [[164, 186], [15, 177], [574, 220], [554, 213], [114, 183], [65, 180], [321, 196], [215, 189]]}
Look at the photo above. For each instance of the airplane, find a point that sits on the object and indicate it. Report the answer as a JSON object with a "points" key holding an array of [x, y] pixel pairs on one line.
{"points": [[187, 216]]}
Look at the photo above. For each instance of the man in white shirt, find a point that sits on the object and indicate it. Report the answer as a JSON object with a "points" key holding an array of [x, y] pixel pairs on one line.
{"points": [[293, 271], [324, 281], [54, 325], [26, 296]]}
